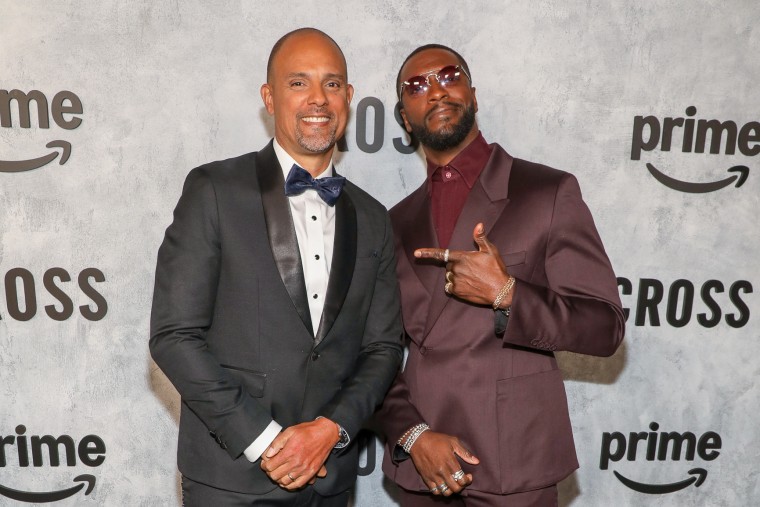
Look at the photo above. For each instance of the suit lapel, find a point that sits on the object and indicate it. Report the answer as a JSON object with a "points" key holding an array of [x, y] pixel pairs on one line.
{"points": [[485, 203], [494, 183], [343, 261], [282, 234], [418, 232]]}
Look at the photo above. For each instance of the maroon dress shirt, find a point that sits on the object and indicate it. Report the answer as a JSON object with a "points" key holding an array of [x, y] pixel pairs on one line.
{"points": [[450, 185]]}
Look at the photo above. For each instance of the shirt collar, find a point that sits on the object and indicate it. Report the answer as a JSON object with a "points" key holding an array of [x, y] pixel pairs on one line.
{"points": [[469, 162], [286, 161]]}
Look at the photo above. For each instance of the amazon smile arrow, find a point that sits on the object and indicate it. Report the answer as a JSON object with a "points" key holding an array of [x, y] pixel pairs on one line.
{"points": [[700, 474], [701, 188], [17, 166], [50, 496]]}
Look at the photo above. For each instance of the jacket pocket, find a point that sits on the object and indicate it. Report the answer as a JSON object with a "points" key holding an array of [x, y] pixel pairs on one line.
{"points": [[254, 381], [536, 446], [513, 258]]}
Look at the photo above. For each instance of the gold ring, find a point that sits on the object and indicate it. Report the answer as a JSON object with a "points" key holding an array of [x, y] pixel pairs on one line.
{"points": [[449, 274], [446, 255], [447, 287], [291, 477]]}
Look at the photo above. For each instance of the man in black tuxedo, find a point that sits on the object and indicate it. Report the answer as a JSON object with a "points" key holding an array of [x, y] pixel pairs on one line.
{"points": [[277, 316]]}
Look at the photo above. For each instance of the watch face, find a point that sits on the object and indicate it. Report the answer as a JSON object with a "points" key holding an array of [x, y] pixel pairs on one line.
{"points": [[343, 438]]}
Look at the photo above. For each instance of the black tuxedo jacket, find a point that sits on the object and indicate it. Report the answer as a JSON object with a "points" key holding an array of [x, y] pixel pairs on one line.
{"points": [[230, 325]]}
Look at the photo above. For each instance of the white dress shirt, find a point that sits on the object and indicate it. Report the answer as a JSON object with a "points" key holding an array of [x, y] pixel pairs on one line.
{"points": [[314, 222]]}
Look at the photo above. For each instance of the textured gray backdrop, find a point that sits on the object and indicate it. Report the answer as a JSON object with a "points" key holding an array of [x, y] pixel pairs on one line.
{"points": [[166, 86]]}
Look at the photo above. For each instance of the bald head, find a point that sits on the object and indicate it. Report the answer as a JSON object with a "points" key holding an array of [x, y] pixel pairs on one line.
{"points": [[300, 32], [308, 94]]}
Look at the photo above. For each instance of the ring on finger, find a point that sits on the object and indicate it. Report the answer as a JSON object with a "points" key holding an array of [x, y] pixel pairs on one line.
{"points": [[447, 287], [449, 276], [446, 255], [443, 488], [459, 474], [433, 490], [291, 477]]}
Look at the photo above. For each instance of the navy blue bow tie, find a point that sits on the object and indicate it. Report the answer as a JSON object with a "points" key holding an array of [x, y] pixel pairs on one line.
{"points": [[299, 181]]}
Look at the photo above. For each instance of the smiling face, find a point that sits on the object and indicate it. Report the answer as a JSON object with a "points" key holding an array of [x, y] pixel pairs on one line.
{"points": [[443, 117], [309, 96]]}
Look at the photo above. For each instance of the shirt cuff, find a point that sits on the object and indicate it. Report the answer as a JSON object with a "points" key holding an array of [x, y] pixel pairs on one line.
{"points": [[257, 448], [500, 321]]}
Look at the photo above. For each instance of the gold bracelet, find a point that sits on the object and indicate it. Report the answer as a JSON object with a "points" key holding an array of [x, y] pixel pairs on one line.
{"points": [[503, 292]]}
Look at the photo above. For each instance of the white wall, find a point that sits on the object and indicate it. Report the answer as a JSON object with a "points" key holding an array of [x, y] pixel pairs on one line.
{"points": [[166, 86]]}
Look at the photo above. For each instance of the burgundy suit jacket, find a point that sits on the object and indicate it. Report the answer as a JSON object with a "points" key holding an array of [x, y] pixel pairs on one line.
{"points": [[502, 395]]}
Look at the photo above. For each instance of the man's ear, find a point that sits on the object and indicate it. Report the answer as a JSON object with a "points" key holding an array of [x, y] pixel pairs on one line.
{"points": [[266, 96], [349, 93], [474, 99], [401, 110]]}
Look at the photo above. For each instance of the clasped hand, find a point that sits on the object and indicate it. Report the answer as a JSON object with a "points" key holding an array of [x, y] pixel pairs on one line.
{"points": [[297, 456], [435, 458]]}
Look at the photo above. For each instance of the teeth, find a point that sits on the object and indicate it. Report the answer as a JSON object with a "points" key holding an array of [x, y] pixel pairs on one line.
{"points": [[315, 119]]}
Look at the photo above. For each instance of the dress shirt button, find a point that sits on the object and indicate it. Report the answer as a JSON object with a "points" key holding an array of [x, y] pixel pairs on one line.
{"points": [[448, 175], [315, 356], [316, 256], [315, 296], [423, 350], [314, 217]]}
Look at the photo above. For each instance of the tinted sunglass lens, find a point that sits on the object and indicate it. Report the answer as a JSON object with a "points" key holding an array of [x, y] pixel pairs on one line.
{"points": [[448, 75], [416, 85]]}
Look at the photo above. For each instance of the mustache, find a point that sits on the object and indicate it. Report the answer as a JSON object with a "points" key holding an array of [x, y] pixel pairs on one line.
{"points": [[316, 111], [443, 105]]}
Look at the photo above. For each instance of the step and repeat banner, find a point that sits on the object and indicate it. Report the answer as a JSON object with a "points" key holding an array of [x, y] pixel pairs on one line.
{"points": [[655, 107]]}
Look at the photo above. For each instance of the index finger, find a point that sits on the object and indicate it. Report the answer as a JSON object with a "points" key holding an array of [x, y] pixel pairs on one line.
{"points": [[438, 254]]}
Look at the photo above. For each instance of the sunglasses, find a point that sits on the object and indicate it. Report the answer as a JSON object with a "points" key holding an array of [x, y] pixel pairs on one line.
{"points": [[450, 75]]}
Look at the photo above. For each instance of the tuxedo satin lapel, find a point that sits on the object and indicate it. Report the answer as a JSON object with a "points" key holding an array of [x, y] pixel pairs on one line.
{"points": [[343, 261], [418, 232], [282, 234], [485, 203]]}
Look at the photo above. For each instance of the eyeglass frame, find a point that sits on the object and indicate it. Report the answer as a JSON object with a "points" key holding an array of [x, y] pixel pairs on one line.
{"points": [[426, 77]]}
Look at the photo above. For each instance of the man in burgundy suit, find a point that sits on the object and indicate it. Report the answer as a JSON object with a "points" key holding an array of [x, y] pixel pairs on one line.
{"points": [[500, 264]]}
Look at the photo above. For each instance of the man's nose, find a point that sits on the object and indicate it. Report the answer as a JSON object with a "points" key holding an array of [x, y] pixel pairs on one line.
{"points": [[318, 96], [436, 91]]}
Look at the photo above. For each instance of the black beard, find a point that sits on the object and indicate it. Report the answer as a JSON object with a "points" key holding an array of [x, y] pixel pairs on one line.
{"points": [[450, 135]]}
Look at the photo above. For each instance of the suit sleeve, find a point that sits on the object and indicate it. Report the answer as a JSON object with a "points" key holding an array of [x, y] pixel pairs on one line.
{"points": [[397, 413], [579, 310], [187, 275], [381, 350], [396, 416]]}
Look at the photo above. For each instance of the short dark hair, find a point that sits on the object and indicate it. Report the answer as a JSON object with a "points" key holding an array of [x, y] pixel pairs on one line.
{"points": [[278, 45], [420, 49]]}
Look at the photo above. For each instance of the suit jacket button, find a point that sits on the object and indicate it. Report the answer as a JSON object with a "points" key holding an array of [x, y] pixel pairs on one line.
{"points": [[213, 435], [315, 356], [423, 350]]}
